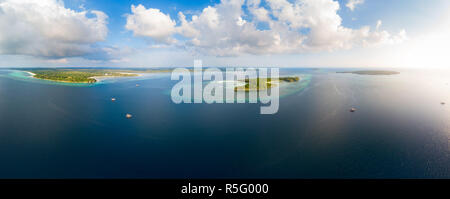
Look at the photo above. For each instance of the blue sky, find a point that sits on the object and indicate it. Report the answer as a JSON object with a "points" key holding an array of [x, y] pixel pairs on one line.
{"points": [[283, 33]]}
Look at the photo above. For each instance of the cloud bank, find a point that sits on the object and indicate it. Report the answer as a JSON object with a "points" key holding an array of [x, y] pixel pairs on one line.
{"points": [[45, 28], [235, 27], [151, 23]]}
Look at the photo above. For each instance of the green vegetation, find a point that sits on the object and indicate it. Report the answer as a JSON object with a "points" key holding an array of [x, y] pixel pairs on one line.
{"points": [[90, 75], [289, 79], [373, 72], [78, 75], [259, 84]]}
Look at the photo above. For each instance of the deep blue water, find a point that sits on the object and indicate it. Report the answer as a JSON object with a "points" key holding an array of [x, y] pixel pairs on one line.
{"points": [[400, 130]]}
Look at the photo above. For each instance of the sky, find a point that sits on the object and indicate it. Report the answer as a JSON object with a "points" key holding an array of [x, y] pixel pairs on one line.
{"points": [[254, 33]]}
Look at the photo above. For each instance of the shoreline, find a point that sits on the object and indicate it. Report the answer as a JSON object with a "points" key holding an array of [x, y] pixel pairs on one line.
{"points": [[102, 78], [96, 78], [32, 75]]}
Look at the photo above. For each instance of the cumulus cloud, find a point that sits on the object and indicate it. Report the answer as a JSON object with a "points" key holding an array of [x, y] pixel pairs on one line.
{"points": [[45, 28], [226, 29], [150, 23], [351, 4]]}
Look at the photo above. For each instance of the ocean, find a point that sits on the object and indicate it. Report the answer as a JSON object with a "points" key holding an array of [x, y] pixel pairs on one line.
{"points": [[57, 130]]}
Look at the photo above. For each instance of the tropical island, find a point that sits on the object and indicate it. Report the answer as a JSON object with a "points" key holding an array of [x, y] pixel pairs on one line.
{"points": [[85, 75], [259, 84], [372, 72]]}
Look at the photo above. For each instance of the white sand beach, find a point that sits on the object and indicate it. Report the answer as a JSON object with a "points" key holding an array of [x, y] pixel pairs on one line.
{"points": [[31, 74]]}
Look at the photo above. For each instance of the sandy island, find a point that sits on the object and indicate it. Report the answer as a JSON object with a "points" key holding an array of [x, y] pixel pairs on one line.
{"points": [[97, 78]]}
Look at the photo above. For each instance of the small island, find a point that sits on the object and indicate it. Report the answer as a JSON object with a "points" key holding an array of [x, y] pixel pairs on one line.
{"points": [[372, 72], [259, 84], [77, 75], [87, 75]]}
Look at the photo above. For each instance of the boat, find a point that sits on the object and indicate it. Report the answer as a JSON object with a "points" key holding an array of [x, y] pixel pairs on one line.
{"points": [[128, 116], [113, 99], [353, 110]]}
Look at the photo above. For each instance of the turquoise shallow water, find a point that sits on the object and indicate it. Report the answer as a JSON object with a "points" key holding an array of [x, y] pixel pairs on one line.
{"points": [[284, 89], [400, 129]]}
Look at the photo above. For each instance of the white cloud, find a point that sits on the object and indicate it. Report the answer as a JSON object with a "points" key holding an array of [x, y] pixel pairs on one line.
{"points": [[260, 13], [151, 23], [351, 4], [45, 28], [379, 23], [225, 29]]}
